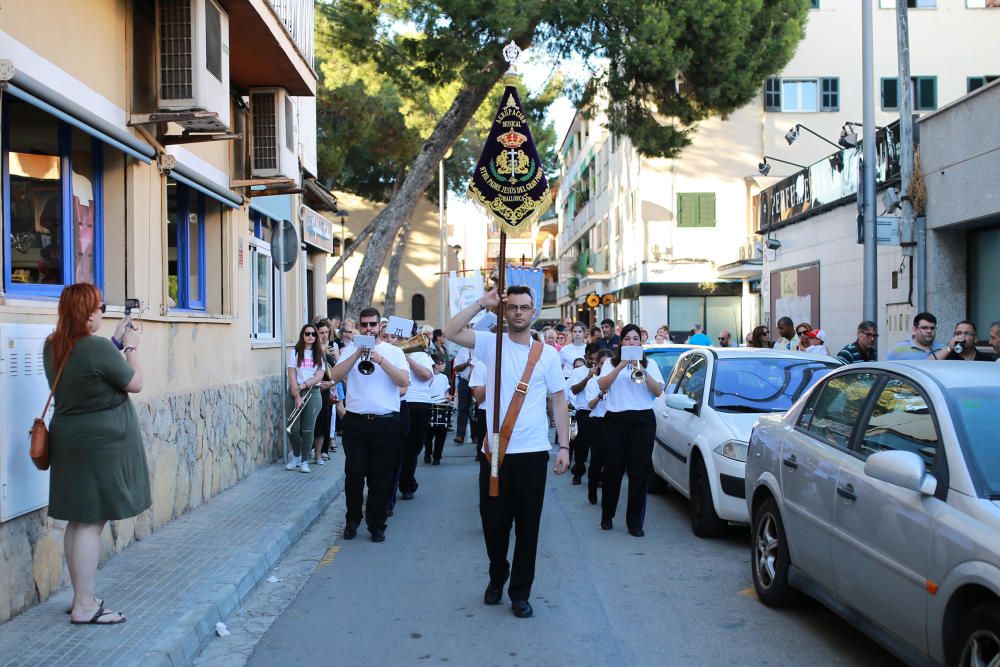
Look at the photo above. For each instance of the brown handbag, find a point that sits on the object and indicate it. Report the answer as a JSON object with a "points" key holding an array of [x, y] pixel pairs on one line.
{"points": [[40, 432]]}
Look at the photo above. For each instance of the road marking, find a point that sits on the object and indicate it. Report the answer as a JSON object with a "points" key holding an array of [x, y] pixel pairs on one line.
{"points": [[328, 556], [748, 592]]}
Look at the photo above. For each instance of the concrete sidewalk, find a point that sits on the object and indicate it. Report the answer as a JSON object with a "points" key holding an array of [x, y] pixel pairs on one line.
{"points": [[176, 584]]}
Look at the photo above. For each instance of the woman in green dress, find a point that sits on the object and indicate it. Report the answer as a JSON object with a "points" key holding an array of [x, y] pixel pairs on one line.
{"points": [[98, 465]]}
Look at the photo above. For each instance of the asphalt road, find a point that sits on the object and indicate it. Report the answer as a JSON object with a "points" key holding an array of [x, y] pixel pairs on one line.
{"points": [[600, 597]]}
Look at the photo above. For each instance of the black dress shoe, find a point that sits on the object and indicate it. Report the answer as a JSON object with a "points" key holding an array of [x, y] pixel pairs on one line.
{"points": [[389, 512], [522, 609], [377, 535], [606, 524], [427, 459], [408, 495], [350, 530], [492, 595], [592, 495], [636, 532], [576, 480]]}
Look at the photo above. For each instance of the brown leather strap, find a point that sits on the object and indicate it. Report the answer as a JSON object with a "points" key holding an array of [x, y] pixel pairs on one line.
{"points": [[520, 391], [56, 383]]}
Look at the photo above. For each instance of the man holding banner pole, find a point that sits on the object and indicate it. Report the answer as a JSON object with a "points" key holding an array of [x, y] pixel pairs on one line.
{"points": [[529, 372]]}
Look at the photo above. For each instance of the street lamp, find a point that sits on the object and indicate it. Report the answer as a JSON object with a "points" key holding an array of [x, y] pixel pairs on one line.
{"points": [[764, 168], [793, 134], [848, 137]]}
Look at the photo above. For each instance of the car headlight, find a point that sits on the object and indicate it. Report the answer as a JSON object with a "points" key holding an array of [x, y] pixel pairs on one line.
{"points": [[733, 449]]}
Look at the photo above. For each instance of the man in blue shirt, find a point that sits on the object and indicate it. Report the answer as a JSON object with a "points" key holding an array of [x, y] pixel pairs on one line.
{"points": [[610, 340], [921, 344]]}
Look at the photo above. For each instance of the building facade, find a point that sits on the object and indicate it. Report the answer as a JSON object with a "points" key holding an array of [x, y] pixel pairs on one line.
{"points": [[155, 160], [674, 241]]}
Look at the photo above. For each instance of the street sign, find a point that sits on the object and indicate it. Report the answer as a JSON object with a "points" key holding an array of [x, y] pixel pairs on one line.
{"points": [[284, 245]]}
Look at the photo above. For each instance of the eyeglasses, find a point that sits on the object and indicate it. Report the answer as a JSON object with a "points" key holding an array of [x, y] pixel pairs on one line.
{"points": [[368, 325], [802, 332], [311, 334], [513, 308], [870, 334], [103, 308], [723, 337], [965, 333]]}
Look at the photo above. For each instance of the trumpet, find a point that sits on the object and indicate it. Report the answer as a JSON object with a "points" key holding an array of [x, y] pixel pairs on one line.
{"points": [[365, 366], [638, 374], [294, 414]]}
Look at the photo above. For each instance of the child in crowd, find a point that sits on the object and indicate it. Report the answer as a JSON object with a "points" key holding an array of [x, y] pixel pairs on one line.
{"points": [[440, 393]]}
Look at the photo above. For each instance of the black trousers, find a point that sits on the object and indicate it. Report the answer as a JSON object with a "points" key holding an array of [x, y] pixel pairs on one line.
{"points": [[479, 431], [370, 447], [464, 405], [404, 430], [323, 421], [628, 437], [598, 452], [420, 417], [436, 435], [580, 445], [519, 505]]}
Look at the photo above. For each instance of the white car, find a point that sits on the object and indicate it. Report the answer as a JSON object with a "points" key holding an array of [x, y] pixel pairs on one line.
{"points": [[705, 416]]}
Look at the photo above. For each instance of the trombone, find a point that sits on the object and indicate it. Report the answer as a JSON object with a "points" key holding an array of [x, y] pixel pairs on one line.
{"points": [[294, 414]]}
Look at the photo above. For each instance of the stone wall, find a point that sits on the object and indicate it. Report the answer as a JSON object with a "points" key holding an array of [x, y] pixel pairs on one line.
{"points": [[197, 445]]}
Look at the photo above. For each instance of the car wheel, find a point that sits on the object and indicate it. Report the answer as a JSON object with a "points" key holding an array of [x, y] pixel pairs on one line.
{"points": [[979, 633], [769, 557], [704, 521]]}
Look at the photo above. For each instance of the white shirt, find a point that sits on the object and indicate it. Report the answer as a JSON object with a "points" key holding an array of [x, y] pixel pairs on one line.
{"points": [[569, 354], [624, 394], [307, 369], [531, 431], [591, 391], [463, 357], [478, 377], [439, 388], [374, 394], [419, 390], [578, 401]]}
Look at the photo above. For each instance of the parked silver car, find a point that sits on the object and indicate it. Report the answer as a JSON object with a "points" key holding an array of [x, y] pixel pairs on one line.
{"points": [[878, 493]]}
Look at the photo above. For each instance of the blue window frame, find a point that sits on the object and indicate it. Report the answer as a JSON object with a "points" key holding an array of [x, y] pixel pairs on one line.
{"points": [[53, 208], [186, 247]]}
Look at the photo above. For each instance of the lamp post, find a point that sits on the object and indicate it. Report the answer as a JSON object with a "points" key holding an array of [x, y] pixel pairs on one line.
{"points": [[870, 276], [793, 134]]}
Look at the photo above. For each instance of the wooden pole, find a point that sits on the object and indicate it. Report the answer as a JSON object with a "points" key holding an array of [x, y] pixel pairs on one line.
{"points": [[495, 440]]}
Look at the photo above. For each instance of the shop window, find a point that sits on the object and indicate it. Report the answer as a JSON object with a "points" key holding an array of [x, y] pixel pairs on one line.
{"points": [[53, 216]]}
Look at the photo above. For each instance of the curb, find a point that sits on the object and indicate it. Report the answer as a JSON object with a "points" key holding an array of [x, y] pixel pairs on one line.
{"points": [[179, 646]]}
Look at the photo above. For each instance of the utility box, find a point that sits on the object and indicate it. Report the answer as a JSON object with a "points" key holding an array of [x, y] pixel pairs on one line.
{"points": [[23, 390]]}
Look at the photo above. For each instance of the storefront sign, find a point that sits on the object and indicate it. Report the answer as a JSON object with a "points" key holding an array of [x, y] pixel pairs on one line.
{"points": [[317, 231]]}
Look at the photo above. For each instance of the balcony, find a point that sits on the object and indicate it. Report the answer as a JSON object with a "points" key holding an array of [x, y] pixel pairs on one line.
{"points": [[271, 44], [748, 265]]}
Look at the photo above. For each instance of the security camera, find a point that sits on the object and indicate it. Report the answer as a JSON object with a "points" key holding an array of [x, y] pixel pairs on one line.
{"points": [[773, 243]]}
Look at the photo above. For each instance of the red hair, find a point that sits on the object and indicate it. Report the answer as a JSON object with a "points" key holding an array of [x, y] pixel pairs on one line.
{"points": [[76, 304]]}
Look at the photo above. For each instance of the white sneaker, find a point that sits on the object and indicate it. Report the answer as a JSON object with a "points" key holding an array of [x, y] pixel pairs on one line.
{"points": [[293, 463], [320, 461], [304, 467]]}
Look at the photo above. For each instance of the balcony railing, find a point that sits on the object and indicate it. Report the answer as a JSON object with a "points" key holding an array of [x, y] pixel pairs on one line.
{"points": [[298, 18]]}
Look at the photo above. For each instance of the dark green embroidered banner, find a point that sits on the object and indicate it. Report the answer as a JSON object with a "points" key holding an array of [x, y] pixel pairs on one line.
{"points": [[509, 183]]}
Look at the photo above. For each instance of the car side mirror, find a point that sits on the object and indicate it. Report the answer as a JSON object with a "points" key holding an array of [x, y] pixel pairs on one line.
{"points": [[682, 402], [901, 468]]}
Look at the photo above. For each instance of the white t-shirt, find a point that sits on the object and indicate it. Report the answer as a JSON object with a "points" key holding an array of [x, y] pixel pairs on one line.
{"points": [[307, 369], [591, 391], [439, 388], [478, 377], [569, 354], [463, 356], [627, 395], [419, 390], [578, 401], [374, 394], [531, 431]]}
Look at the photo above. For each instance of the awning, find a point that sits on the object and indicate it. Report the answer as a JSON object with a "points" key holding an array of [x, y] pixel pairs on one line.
{"points": [[196, 181], [319, 197], [23, 87], [275, 207]]}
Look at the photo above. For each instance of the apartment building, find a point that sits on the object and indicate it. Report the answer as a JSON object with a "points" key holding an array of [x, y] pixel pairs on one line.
{"points": [[151, 147], [674, 241]]}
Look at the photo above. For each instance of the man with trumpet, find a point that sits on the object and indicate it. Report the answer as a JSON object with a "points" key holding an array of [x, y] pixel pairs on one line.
{"points": [[519, 488], [376, 372]]}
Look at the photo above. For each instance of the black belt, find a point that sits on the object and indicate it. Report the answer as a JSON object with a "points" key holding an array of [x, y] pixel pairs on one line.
{"points": [[370, 417]]}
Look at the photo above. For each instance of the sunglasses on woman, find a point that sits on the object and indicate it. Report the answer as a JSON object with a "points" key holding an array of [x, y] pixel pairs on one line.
{"points": [[311, 334]]}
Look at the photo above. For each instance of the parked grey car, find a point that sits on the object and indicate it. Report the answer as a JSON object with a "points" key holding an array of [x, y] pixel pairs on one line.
{"points": [[878, 493]]}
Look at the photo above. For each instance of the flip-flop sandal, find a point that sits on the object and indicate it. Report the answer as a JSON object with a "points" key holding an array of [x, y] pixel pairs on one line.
{"points": [[100, 603], [100, 614]]}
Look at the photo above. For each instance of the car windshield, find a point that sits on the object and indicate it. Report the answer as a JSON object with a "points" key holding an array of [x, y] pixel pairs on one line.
{"points": [[765, 383], [666, 358], [975, 411]]}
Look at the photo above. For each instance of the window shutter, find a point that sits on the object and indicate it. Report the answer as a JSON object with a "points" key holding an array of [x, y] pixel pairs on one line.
{"points": [[706, 209], [687, 210], [890, 94], [926, 93], [974, 83], [831, 94], [772, 94]]}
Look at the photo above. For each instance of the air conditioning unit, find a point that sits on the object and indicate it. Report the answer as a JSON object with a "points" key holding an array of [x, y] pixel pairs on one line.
{"points": [[272, 121], [193, 72]]}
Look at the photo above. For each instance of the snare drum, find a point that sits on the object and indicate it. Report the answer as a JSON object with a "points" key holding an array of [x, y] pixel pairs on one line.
{"points": [[441, 415]]}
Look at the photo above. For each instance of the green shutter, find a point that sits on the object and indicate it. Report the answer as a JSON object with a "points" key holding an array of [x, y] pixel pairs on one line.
{"points": [[706, 209], [926, 97], [772, 94], [687, 210], [975, 82], [890, 94]]}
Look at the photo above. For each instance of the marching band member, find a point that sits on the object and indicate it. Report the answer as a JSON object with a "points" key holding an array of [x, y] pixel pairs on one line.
{"points": [[306, 367], [418, 402], [576, 385], [598, 407], [575, 349], [629, 428], [439, 395], [522, 475], [477, 387], [371, 426]]}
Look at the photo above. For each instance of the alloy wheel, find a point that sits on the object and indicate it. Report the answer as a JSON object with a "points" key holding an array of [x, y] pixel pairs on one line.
{"points": [[982, 649], [766, 550]]}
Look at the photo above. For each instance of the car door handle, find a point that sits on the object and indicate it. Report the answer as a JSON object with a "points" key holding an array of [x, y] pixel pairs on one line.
{"points": [[847, 492], [790, 462]]}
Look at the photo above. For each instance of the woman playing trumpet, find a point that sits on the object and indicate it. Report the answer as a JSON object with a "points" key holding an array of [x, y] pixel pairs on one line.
{"points": [[306, 366], [629, 428]]}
